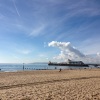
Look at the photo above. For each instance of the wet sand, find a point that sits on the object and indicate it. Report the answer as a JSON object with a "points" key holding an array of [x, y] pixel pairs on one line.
{"points": [[78, 84]]}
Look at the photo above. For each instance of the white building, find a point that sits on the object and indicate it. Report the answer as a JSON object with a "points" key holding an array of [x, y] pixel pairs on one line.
{"points": [[75, 62]]}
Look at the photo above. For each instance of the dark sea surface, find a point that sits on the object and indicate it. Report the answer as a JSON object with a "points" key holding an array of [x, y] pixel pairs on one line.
{"points": [[34, 66]]}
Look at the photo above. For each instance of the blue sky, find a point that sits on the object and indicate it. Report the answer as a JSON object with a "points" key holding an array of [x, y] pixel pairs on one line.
{"points": [[27, 26]]}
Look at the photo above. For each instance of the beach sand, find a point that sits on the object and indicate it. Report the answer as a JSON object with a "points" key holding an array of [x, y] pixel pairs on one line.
{"points": [[80, 84]]}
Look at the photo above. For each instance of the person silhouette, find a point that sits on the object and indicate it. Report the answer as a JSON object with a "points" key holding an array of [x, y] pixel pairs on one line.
{"points": [[60, 70]]}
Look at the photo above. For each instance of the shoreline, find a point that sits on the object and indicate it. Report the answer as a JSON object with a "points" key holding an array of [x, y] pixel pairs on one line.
{"points": [[72, 68], [20, 67]]}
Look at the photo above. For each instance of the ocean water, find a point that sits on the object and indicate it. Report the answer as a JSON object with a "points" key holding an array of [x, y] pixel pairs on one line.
{"points": [[34, 66]]}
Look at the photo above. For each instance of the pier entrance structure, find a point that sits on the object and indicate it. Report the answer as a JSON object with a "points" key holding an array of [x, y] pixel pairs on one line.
{"points": [[75, 62]]}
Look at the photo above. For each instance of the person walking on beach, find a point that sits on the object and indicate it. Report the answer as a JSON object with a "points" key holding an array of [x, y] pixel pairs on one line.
{"points": [[60, 70]]}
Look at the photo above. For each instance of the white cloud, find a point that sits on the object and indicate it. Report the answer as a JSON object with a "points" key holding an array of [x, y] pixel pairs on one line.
{"points": [[70, 52], [37, 31], [66, 50], [98, 54], [16, 7], [84, 8]]}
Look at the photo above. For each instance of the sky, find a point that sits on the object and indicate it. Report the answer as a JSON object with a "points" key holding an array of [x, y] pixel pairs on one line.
{"points": [[43, 30]]}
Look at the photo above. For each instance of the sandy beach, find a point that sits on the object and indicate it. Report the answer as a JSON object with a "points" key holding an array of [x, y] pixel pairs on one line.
{"points": [[80, 84]]}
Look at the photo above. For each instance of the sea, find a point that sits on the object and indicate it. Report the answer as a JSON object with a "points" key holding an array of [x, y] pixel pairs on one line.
{"points": [[32, 66]]}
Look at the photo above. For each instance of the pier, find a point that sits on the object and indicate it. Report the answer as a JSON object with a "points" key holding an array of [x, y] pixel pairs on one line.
{"points": [[95, 65], [72, 63]]}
